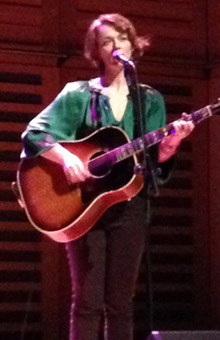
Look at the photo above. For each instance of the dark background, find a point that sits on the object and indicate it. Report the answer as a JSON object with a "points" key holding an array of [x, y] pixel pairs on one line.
{"points": [[40, 50]]}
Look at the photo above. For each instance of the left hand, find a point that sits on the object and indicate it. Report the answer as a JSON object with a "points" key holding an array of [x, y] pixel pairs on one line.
{"points": [[169, 145], [183, 127]]}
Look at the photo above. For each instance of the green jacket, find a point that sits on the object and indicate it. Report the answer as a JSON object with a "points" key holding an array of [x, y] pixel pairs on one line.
{"points": [[68, 117]]}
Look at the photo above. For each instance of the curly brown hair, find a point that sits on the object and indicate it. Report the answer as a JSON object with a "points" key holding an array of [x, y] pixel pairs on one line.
{"points": [[122, 25]]}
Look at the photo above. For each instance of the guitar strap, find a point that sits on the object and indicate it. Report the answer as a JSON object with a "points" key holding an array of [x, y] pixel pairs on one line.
{"points": [[94, 111]]}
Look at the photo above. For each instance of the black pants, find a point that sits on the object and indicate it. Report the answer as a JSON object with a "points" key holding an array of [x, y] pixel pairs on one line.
{"points": [[104, 266]]}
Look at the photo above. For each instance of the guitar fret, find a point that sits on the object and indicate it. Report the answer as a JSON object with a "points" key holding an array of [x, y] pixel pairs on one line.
{"points": [[201, 114], [124, 151], [121, 154], [130, 148], [140, 143], [136, 145], [157, 136]]}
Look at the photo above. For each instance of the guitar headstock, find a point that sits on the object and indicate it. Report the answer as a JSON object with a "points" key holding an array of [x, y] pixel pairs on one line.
{"points": [[215, 107], [206, 112]]}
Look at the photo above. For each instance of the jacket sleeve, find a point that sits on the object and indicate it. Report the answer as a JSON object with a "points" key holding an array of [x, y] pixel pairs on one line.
{"points": [[61, 120]]}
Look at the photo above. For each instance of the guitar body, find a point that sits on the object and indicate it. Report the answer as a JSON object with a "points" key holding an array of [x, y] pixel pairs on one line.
{"points": [[65, 212]]}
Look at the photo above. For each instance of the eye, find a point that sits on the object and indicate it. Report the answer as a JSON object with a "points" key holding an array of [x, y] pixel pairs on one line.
{"points": [[123, 37], [106, 42]]}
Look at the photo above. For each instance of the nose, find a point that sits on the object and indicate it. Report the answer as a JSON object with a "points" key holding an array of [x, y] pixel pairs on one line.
{"points": [[116, 44]]}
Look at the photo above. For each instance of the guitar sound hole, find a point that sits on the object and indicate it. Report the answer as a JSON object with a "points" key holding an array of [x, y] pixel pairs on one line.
{"points": [[99, 169]]}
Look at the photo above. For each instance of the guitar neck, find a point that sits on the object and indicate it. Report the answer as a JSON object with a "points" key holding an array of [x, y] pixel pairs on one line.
{"points": [[156, 136], [153, 137]]}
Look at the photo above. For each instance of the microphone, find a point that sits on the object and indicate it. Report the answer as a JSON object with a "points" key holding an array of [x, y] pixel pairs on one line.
{"points": [[122, 59]]}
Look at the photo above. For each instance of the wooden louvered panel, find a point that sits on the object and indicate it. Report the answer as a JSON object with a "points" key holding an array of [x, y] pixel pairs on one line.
{"points": [[160, 67], [171, 233], [10, 155], [22, 276], [31, 247], [214, 186], [17, 108], [9, 166], [171, 249], [20, 97], [7, 225], [18, 316], [4, 146], [9, 286], [9, 206], [17, 305], [33, 328], [5, 186], [16, 74], [23, 258], [182, 173], [32, 335], [18, 295], [12, 127], [174, 211], [168, 193], [169, 288], [167, 230], [20, 88], [172, 268]]}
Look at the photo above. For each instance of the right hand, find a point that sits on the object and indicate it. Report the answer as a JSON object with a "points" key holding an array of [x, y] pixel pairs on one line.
{"points": [[73, 168]]}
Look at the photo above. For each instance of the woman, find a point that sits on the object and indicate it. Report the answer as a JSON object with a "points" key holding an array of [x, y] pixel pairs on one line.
{"points": [[104, 263]]}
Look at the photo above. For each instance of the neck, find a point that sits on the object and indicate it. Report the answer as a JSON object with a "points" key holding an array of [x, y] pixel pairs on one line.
{"points": [[114, 79]]}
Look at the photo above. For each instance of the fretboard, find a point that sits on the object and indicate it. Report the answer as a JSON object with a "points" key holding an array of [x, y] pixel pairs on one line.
{"points": [[151, 138]]}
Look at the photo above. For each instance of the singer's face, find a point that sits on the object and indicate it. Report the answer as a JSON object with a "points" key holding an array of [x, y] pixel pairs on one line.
{"points": [[109, 39]]}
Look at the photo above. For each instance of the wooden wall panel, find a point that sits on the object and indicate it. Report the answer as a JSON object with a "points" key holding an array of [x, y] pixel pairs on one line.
{"points": [[41, 43], [214, 159], [50, 26], [171, 25], [174, 232], [28, 305], [214, 189], [214, 31], [20, 23], [36, 3], [29, 25], [214, 234], [14, 15]]}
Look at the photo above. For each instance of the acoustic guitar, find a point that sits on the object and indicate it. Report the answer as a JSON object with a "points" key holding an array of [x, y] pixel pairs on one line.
{"points": [[66, 212]]}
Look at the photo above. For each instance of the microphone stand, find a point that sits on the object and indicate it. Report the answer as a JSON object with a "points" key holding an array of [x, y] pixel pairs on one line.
{"points": [[146, 168]]}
